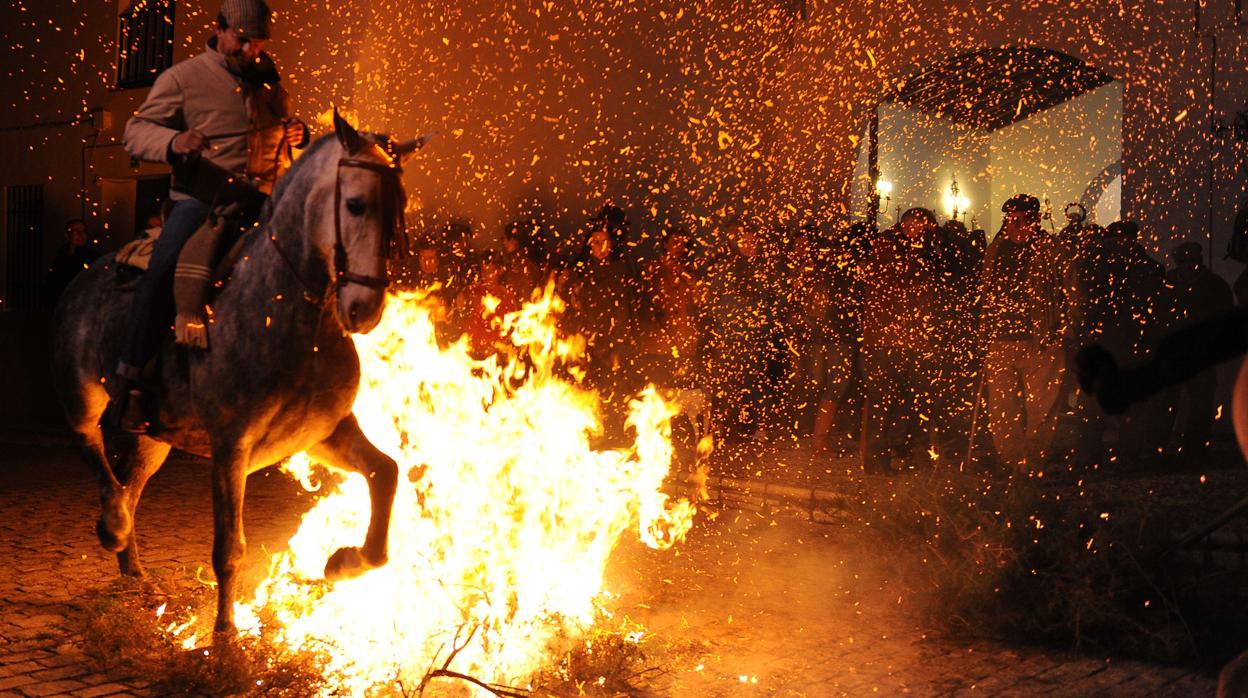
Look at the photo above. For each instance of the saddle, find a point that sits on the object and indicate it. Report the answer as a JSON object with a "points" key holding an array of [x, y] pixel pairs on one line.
{"points": [[203, 267], [134, 256]]}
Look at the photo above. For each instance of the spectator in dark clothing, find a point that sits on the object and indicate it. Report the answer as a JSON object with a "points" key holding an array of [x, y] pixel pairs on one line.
{"points": [[962, 253], [1023, 304], [955, 363], [744, 309], [602, 295], [899, 319], [1076, 230], [428, 265], [1117, 291], [75, 255], [858, 240], [1197, 295], [671, 312], [1117, 301], [1075, 237], [520, 274], [822, 326], [431, 277]]}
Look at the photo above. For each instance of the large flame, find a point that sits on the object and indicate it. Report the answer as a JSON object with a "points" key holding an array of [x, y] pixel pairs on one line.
{"points": [[503, 525]]}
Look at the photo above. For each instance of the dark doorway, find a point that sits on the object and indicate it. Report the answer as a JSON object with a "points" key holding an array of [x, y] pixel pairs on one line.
{"points": [[149, 195]]}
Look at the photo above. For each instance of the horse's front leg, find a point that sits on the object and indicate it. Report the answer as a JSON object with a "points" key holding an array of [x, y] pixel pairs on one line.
{"points": [[348, 449], [229, 481]]}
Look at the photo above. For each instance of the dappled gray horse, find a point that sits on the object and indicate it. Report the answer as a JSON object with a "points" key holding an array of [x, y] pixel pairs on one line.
{"points": [[281, 373]]}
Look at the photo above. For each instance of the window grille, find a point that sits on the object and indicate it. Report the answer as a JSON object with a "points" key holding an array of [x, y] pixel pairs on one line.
{"points": [[144, 42], [23, 246]]}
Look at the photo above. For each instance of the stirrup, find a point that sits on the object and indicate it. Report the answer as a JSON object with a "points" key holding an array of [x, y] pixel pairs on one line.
{"points": [[125, 413], [132, 418]]}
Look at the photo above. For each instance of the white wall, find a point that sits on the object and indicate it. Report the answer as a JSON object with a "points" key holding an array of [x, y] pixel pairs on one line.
{"points": [[1058, 152], [1054, 154], [920, 155]]}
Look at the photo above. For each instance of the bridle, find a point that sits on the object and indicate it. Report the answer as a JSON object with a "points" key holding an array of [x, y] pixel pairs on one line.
{"points": [[393, 231], [392, 223]]}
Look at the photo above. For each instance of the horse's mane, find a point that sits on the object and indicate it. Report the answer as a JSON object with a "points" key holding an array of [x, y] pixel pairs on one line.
{"points": [[295, 178]]}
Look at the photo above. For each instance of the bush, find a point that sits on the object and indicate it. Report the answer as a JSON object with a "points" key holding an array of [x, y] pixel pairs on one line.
{"points": [[122, 634]]}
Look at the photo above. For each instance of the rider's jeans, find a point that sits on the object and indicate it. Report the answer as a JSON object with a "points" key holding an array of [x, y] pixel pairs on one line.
{"points": [[152, 310]]}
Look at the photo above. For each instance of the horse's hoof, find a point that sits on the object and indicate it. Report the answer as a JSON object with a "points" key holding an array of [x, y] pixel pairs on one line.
{"points": [[112, 541], [133, 570], [224, 632], [346, 563]]}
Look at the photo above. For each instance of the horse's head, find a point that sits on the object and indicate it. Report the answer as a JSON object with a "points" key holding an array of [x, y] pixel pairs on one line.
{"points": [[365, 230]]}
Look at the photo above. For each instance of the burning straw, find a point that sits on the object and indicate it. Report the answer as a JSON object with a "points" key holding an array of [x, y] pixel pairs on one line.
{"points": [[502, 528]]}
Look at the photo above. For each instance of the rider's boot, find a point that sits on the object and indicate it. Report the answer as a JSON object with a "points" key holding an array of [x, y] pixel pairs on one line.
{"points": [[125, 404]]}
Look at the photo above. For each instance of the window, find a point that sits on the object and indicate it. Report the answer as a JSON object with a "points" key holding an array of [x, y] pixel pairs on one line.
{"points": [[144, 42], [23, 247]]}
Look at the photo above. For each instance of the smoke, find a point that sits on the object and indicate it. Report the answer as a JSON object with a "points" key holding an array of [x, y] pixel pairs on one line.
{"points": [[775, 601]]}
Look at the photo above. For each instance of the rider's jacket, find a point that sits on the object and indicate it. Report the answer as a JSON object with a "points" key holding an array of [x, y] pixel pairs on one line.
{"points": [[243, 117]]}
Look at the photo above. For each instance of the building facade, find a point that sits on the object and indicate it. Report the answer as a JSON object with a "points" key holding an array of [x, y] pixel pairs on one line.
{"points": [[680, 112]]}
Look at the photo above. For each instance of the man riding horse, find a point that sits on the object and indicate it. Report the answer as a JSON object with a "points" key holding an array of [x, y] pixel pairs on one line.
{"points": [[222, 122]]}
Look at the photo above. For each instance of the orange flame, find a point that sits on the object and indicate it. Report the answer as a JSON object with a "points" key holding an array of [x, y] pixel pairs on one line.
{"points": [[503, 542]]}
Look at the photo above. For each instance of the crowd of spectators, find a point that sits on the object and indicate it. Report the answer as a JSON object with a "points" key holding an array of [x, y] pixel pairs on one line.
{"points": [[920, 343], [901, 344]]}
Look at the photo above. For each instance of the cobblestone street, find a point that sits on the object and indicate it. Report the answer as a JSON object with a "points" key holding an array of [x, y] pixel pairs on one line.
{"points": [[757, 605]]}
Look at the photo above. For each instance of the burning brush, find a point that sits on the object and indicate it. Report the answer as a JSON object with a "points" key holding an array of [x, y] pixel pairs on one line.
{"points": [[504, 526]]}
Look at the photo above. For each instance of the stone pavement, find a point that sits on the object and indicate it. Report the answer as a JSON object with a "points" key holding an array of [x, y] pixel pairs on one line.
{"points": [[750, 605], [48, 506], [779, 607]]}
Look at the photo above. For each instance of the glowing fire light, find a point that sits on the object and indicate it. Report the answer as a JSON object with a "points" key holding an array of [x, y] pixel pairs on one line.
{"points": [[505, 516]]}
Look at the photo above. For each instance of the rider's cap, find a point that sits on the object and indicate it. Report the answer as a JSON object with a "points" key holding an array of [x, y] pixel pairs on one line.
{"points": [[251, 18]]}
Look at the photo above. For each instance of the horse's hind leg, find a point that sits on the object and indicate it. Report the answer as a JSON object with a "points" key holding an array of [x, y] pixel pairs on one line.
{"points": [[348, 449], [143, 459]]}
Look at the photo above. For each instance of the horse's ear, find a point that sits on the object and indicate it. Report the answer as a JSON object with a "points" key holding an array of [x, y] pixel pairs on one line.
{"points": [[350, 139], [405, 149]]}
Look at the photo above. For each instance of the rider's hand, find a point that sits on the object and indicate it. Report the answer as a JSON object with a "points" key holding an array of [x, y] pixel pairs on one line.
{"points": [[189, 142], [296, 133]]}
